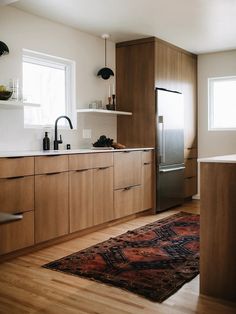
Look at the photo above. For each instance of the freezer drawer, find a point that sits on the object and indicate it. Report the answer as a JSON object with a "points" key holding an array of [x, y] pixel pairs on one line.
{"points": [[170, 187]]}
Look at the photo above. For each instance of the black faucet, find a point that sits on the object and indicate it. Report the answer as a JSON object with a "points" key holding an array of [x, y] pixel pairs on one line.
{"points": [[56, 141]]}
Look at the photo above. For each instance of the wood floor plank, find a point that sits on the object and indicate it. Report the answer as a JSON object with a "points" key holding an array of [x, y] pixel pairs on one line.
{"points": [[26, 287]]}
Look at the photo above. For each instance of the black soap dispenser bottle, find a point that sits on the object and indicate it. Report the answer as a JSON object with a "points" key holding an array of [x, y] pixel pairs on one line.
{"points": [[46, 142]]}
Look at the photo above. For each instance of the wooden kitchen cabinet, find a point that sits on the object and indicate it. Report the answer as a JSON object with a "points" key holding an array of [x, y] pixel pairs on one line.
{"points": [[51, 164], [127, 169], [17, 194], [16, 167], [81, 199], [127, 201], [147, 179], [91, 190], [103, 195], [18, 234], [168, 67], [141, 66], [51, 206]]}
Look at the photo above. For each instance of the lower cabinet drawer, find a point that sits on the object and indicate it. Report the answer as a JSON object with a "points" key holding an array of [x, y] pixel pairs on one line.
{"points": [[190, 167], [17, 195], [18, 234], [190, 186], [127, 201]]}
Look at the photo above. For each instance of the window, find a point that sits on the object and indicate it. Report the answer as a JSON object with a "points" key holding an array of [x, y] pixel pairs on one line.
{"points": [[222, 103], [48, 81]]}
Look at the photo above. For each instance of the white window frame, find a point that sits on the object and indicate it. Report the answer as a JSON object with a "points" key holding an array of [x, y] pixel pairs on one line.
{"points": [[211, 80], [70, 88]]}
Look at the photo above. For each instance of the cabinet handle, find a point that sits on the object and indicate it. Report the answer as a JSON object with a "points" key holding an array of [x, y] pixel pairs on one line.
{"points": [[81, 170], [13, 178], [102, 168], [127, 151], [127, 188], [52, 173], [15, 157], [6, 218], [147, 163]]}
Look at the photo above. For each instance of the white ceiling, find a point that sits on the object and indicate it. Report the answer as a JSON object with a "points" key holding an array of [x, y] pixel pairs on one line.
{"points": [[199, 26]]}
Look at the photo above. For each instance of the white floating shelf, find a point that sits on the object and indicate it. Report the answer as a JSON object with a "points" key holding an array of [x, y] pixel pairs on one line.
{"points": [[125, 113], [10, 104]]}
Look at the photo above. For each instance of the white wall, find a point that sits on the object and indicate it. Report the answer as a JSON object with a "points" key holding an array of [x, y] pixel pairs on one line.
{"points": [[22, 30], [213, 143]]}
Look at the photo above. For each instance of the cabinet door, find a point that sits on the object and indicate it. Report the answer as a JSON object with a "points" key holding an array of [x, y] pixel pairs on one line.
{"points": [[127, 201], [81, 199], [18, 234], [17, 194], [168, 67], [147, 185], [103, 195], [127, 169], [189, 89], [51, 206]]}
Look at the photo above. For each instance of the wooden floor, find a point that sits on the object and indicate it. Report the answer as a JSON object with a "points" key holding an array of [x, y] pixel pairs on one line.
{"points": [[26, 287]]}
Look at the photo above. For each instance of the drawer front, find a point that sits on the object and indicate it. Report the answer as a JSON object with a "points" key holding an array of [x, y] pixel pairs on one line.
{"points": [[18, 234], [127, 201], [51, 164], [80, 161], [16, 167], [190, 167], [102, 160], [147, 156], [190, 186], [127, 169], [190, 153], [17, 195]]}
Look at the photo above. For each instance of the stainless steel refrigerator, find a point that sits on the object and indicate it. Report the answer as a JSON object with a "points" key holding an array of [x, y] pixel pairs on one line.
{"points": [[169, 148]]}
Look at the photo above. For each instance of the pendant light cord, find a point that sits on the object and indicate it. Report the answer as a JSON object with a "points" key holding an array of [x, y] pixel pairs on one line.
{"points": [[105, 52]]}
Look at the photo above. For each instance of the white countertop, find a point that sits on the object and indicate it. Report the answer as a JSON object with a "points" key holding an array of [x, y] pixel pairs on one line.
{"points": [[219, 159], [65, 152]]}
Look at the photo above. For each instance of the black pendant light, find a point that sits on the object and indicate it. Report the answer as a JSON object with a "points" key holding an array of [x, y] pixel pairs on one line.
{"points": [[105, 72], [4, 50]]}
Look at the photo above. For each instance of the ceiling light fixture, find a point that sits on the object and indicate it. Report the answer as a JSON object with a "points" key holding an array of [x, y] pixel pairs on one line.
{"points": [[4, 50], [105, 72]]}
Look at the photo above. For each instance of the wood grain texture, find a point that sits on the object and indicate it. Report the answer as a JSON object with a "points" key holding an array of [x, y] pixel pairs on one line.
{"points": [[167, 67], [18, 234], [102, 160], [127, 169], [51, 164], [189, 89], [218, 232], [190, 167], [16, 167], [127, 201], [26, 287], [17, 195], [81, 199], [190, 187], [190, 153], [51, 206], [135, 92], [147, 185], [80, 161], [147, 156], [103, 195]]}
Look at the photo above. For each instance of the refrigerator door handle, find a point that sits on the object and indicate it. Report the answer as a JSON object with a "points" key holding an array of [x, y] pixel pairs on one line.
{"points": [[162, 148], [172, 169]]}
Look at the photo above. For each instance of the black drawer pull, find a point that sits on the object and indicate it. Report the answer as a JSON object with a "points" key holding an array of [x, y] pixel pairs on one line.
{"points": [[103, 168], [127, 188], [15, 157], [13, 178], [52, 173], [81, 170], [147, 163]]}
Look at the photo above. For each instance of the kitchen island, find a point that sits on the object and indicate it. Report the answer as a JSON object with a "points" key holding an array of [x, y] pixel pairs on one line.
{"points": [[218, 227]]}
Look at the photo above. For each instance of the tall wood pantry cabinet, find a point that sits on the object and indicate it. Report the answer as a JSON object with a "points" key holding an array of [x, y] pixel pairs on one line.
{"points": [[141, 66]]}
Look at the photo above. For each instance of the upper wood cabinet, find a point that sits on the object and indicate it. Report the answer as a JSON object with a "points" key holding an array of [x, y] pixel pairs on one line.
{"points": [[189, 90], [167, 67]]}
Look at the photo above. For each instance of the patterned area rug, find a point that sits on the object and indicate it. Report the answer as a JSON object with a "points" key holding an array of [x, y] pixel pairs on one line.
{"points": [[153, 261]]}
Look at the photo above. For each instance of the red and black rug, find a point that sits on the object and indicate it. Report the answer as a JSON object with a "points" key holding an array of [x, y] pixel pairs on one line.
{"points": [[153, 261]]}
